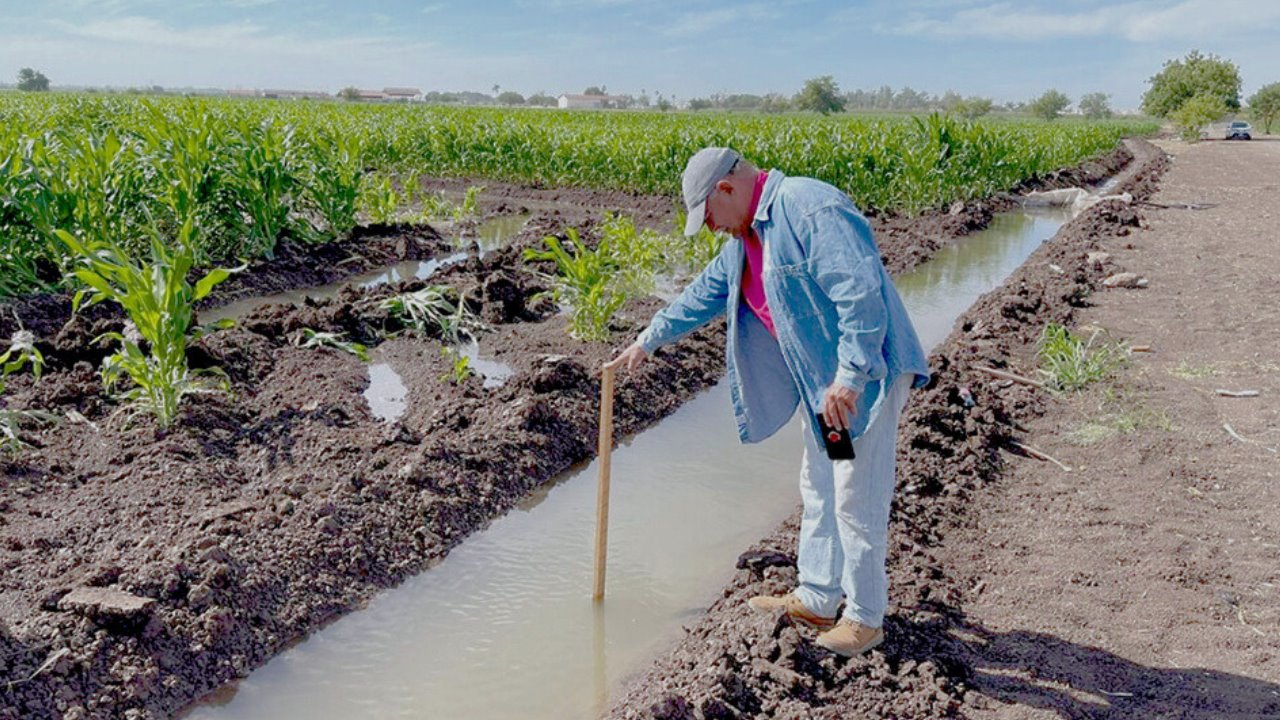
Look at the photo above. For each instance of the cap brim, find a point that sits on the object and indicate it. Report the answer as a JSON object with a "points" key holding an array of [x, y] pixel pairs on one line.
{"points": [[696, 219]]}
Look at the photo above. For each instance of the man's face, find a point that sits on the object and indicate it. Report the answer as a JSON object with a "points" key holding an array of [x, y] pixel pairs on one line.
{"points": [[728, 208]]}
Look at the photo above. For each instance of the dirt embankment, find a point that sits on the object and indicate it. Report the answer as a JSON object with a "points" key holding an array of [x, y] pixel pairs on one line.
{"points": [[736, 664], [143, 569]]}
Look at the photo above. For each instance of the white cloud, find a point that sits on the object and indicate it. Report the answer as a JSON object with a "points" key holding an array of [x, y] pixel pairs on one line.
{"points": [[229, 37], [720, 22], [1186, 20]]}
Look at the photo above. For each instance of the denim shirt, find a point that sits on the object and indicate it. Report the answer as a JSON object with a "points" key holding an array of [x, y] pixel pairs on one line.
{"points": [[838, 316]]}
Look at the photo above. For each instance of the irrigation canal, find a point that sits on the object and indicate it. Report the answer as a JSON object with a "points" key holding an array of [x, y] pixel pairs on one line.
{"points": [[505, 626]]}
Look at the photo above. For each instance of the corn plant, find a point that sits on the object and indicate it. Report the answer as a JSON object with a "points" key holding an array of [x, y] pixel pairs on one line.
{"points": [[251, 173], [379, 199], [461, 366], [585, 282], [470, 203], [434, 311], [160, 303], [22, 353], [309, 338], [265, 179], [1069, 363], [638, 255], [334, 167]]}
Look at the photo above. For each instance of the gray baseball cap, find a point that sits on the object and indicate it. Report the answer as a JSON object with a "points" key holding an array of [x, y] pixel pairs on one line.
{"points": [[707, 167]]}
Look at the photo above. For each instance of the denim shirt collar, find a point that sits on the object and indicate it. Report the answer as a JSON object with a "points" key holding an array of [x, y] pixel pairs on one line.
{"points": [[767, 195]]}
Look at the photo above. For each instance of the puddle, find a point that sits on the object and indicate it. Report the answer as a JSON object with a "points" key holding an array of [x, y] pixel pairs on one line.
{"points": [[505, 627], [492, 234], [494, 372], [386, 394], [496, 233], [406, 270]]}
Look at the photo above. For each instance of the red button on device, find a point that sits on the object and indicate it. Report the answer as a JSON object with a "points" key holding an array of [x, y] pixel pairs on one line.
{"points": [[833, 436]]}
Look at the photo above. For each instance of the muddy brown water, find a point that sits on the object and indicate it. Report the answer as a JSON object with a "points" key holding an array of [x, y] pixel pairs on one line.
{"points": [[504, 627]]}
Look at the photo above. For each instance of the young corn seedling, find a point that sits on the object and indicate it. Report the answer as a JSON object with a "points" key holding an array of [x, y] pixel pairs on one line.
{"points": [[638, 255], [584, 282], [379, 200], [470, 203], [461, 369], [691, 254], [265, 178], [160, 303], [309, 338], [1069, 363], [333, 169], [434, 311], [22, 353]]}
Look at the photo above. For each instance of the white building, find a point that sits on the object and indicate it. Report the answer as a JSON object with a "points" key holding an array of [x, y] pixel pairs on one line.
{"points": [[578, 102], [403, 94]]}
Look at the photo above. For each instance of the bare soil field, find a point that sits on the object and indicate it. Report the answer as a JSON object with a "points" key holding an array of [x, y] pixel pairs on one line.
{"points": [[1146, 582], [143, 569]]}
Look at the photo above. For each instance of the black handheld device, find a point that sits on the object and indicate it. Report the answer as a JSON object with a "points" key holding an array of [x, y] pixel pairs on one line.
{"points": [[839, 444]]}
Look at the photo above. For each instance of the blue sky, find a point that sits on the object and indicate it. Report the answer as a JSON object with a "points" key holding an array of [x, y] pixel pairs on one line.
{"points": [[685, 48]]}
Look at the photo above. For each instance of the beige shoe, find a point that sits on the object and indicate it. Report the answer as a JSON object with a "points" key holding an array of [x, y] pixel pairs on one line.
{"points": [[794, 608], [850, 639]]}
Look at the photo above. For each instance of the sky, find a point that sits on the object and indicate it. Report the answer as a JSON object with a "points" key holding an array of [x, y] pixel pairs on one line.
{"points": [[1008, 51]]}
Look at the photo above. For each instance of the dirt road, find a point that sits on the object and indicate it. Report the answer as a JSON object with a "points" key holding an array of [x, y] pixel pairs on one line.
{"points": [[1146, 582]]}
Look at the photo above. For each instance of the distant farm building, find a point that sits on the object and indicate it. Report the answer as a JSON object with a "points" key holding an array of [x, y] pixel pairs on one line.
{"points": [[296, 95], [402, 94], [580, 102]]}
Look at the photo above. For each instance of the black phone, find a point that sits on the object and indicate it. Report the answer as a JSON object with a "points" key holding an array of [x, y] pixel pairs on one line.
{"points": [[839, 444]]}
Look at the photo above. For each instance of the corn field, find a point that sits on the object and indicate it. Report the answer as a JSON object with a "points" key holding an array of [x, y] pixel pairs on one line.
{"points": [[246, 175]]}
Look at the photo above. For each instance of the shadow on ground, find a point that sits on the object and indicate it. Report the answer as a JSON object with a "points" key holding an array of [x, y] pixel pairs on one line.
{"points": [[1036, 670]]}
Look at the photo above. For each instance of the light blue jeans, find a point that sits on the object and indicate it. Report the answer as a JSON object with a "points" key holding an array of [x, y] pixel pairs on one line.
{"points": [[845, 528]]}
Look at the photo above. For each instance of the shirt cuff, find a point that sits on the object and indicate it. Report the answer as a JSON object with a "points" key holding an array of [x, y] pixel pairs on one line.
{"points": [[649, 340], [852, 379]]}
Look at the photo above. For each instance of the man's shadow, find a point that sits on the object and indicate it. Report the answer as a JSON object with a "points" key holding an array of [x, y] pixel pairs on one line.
{"points": [[1038, 670]]}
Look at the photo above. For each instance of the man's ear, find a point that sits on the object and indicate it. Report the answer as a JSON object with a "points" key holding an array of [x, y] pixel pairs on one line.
{"points": [[725, 186]]}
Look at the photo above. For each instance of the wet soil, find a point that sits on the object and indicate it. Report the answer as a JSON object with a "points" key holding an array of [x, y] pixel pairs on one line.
{"points": [[952, 447], [266, 513]]}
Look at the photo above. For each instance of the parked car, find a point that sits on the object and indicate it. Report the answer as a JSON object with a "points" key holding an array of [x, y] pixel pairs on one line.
{"points": [[1239, 131]]}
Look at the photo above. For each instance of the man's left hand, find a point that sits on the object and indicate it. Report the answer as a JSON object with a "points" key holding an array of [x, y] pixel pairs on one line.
{"points": [[839, 403]]}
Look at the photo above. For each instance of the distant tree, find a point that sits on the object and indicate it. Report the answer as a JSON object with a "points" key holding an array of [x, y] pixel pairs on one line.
{"points": [[1197, 112], [511, 97], [700, 104], [820, 94], [1049, 105], [972, 108], [540, 99], [496, 89], [435, 97], [663, 104], [349, 93], [32, 80], [595, 90], [1096, 105], [643, 100], [1264, 105], [775, 103], [1196, 74], [910, 99]]}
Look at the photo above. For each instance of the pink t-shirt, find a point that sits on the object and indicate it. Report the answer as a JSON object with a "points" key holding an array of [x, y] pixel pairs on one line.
{"points": [[753, 270]]}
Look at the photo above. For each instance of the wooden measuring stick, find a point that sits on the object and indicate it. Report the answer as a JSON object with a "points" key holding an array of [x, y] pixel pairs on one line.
{"points": [[602, 492]]}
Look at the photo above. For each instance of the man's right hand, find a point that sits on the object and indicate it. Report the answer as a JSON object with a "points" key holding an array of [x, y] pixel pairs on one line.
{"points": [[629, 359]]}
